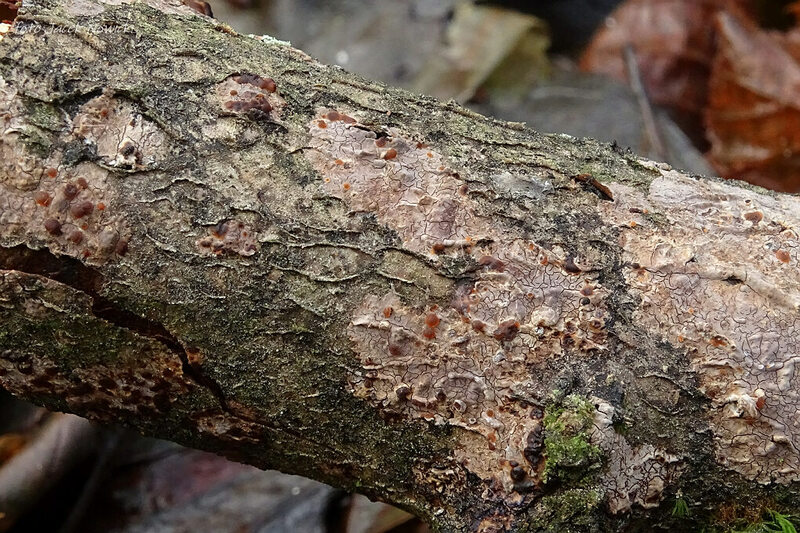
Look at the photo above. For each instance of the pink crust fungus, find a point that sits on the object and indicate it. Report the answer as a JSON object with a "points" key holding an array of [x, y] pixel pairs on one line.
{"points": [[121, 135], [728, 298], [133, 385], [44, 201], [229, 237], [459, 364], [250, 93]]}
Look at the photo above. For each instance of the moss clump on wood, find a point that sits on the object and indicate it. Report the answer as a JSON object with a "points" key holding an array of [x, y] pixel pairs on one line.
{"points": [[569, 453]]}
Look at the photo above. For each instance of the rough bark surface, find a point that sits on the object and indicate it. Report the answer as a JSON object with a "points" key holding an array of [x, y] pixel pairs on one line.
{"points": [[217, 240]]}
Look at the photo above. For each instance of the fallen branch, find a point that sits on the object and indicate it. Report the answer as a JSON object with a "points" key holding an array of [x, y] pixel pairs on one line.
{"points": [[219, 241]]}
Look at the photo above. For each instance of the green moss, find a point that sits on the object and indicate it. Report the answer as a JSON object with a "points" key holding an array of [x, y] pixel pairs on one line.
{"points": [[570, 510], [569, 453]]}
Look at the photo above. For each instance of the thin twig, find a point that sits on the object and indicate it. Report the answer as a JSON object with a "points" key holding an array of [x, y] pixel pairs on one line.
{"points": [[648, 117]]}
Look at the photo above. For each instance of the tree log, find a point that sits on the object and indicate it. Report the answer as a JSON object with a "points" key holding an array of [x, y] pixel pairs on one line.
{"points": [[217, 240]]}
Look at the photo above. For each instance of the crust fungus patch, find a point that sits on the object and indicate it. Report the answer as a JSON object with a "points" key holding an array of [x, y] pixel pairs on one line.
{"points": [[121, 136], [229, 237], [467, 364], [250, 94], [72, 211], [722, 283]]}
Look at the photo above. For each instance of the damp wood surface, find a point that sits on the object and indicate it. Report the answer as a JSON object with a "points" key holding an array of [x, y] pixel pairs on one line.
{"points": [[217, 240]]}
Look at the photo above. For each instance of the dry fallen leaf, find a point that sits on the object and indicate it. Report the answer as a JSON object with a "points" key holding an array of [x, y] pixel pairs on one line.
{"points": [[753, 115], [480, 41], [673, 41], [10, 445]]}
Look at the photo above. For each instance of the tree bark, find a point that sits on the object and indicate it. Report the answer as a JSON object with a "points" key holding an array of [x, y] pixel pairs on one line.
{"points": [[219, 241]]}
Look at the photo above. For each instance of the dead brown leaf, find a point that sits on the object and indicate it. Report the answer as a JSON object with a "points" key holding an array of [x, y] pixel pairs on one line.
{"points": [[673, 41], [10, 445], [753, 114]]}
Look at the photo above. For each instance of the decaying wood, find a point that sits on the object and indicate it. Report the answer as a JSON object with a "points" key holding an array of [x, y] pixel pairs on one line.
{"points": [[217, 240]]}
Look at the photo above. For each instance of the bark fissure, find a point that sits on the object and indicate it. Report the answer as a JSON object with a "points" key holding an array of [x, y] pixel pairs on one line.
{"points": [[89, 281]]}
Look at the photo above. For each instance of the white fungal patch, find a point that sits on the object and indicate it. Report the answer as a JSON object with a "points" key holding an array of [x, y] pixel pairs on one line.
{"points": [[723, 284]]}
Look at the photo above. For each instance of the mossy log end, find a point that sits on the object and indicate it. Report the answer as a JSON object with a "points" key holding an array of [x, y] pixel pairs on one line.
{"points": [[217, 240]]}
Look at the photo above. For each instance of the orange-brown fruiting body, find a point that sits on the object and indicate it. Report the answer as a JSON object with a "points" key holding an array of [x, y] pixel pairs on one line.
{"points": [[122, 247], [42, 198], [492, 263], [754, 216], [322, 124], [783, 256], [220, 230], [333, 116], [82, 183], [718, 341], [101, 206], [380, 142], [346, 186], [506, 331], [570, 266], [391, 153], [51, 172], [438, 248], [387, 312], [70, 191], [52, 226], [76, 237], [268, 84], [429, 333], [432, 320], [81, 209], [761, 402]]}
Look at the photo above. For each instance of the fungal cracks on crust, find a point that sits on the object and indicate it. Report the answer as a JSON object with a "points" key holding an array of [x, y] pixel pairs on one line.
{"points": [[467, 363]]}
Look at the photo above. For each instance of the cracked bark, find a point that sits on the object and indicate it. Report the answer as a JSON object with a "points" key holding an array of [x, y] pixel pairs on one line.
{"points": [[217, 240]]}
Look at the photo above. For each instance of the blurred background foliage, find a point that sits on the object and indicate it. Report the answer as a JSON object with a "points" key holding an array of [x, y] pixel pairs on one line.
{"points": [[710, 86]]}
